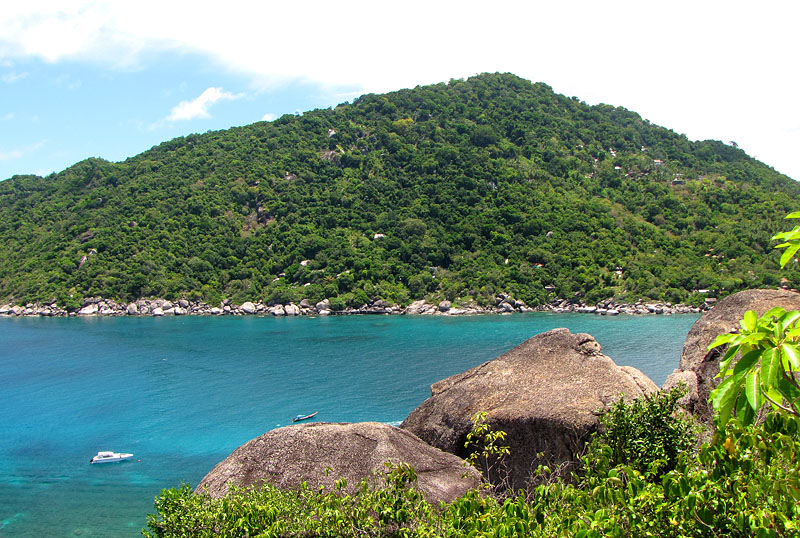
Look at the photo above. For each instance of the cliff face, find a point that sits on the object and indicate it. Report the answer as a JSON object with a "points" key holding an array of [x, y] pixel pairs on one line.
{"points": [[545, 394]]}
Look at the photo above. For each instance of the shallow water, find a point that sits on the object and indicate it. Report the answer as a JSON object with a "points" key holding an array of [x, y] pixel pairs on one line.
{"points": [[181, 393]]}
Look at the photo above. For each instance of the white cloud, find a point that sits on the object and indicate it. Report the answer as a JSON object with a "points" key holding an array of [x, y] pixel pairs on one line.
{"points": [[269, 116], [12, 77], [198, 107], [18, 153], [10, 155], [68, 81], [8, 116]]}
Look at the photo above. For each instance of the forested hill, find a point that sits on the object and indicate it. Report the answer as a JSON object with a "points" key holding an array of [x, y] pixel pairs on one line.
{"points": [[458, 190]]}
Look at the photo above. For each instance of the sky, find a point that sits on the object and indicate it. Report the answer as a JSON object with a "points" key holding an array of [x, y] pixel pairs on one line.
{"points": [[111, 79]]}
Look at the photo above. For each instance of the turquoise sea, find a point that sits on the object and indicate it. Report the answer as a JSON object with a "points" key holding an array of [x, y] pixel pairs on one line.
{"points": [[181, 393]]}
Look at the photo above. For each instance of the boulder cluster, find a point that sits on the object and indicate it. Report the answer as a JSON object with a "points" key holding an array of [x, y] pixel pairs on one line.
{"points": [[546, 394], [611, 308], [503, 304]]}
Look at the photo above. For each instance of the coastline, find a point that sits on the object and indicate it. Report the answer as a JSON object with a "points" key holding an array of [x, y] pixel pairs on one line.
{"points": [[504, 304]]}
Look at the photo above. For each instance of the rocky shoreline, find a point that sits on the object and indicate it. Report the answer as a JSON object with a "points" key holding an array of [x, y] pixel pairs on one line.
{"points": [[504, 304]]}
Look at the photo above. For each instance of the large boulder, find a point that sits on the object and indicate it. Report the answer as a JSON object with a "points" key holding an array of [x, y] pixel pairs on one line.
{"points": [[322, 453], [89, 310], [545, 394], [698, 366]]}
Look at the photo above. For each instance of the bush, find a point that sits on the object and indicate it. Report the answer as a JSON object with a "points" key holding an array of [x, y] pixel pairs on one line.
{"points": [[745, 484], [648, 434]]}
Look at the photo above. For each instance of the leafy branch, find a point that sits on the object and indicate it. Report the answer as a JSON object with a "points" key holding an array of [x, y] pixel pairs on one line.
{"points": [[484, 442], [768, 348]]}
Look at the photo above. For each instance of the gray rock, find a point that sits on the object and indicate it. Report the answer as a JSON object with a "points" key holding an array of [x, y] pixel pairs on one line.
{"points": [[183, 303], [277, 310], [132, 309], [324, 304], [417, 307], [291, 310], [158, 311], [444, 306], [687, 379], [505, 306], [89, 310], [248, 308], [723, 318], [322, 453], [545, 394]]}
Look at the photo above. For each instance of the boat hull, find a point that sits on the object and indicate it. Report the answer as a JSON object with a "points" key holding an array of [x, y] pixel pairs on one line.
{"points": [[110, 459]]}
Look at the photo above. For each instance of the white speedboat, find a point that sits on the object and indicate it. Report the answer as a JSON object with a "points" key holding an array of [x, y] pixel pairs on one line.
{"points": [[108, 457]]}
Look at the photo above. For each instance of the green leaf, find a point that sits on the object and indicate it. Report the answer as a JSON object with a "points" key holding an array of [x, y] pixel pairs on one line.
{"points": [[793, 334], [723, 398], [725, 363], [776, 396], [755, 338], [722, 339], [749, 321], [746, 363], [753, 391], [770, 367], [744, 412], [793, 215], [789, 253], [775, 312], [792, 355], [789, 391], [789, 318]]}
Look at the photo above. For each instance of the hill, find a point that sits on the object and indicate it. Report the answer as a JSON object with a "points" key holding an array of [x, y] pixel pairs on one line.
{"points": [[458, 190]]}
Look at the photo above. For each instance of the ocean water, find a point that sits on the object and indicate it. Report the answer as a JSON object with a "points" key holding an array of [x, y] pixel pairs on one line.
{"points": [[182, 393]]}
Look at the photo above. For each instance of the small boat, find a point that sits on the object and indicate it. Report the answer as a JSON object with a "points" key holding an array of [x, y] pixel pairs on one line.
{"points": [[106, 456], [298, 418]]}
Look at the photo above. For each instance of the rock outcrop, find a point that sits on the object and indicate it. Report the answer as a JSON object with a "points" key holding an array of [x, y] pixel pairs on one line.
{"points": [[504, 304], [698, 366], [289, 456], [544, 394]]}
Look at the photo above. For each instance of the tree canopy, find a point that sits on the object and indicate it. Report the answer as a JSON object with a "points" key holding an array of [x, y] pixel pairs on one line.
{"points": [[458, 190]]}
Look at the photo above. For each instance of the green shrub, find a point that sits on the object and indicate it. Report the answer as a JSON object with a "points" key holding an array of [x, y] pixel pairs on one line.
{"points": [[648, 434]]}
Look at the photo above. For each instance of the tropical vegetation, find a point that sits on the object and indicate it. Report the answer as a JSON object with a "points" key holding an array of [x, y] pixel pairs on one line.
{"points": [[457, 191], [744, 483], [643, 473]]}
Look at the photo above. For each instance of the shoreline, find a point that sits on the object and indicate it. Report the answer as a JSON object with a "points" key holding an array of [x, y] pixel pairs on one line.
{"points": [[98, 306]]}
